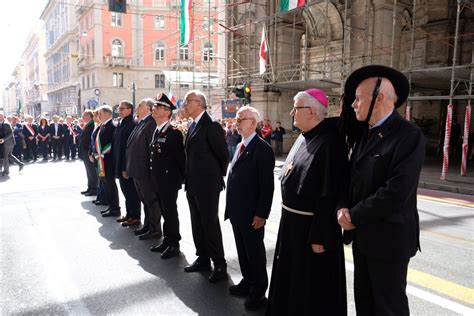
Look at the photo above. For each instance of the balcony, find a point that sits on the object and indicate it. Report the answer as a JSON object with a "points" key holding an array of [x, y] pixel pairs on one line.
{"points": [[115, 61]]}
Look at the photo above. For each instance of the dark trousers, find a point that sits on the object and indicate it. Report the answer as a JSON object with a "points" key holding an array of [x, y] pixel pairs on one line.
{"points": [[152, 207], [278, 148], [43, 149], [132, 200], [380, 285], [252, 256], [56, 144], [70, 148], [30, 152], [207, 233], [17, 152], [169, 210], [101, 192], [15, 159], [111, 192], [91, 173]]}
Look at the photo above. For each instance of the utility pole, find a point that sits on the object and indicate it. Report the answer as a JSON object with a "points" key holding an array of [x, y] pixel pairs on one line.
{"points": [[133, 92]]}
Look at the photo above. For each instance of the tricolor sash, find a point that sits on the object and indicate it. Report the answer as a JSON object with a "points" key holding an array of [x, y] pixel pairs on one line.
{"points": [[30, 129], [101, 152]]}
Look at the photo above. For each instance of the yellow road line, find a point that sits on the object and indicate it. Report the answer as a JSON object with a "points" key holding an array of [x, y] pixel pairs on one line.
{"points": [[434, 283], [446, 200]]}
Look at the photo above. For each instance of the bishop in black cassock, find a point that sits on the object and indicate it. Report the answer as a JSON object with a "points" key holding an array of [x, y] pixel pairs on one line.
{"points": [[308, 276]]}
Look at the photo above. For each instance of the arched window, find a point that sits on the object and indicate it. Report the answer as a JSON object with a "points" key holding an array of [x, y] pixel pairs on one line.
{"points": [[208, 52], [160, 51], [184, 52], [117, 48]]}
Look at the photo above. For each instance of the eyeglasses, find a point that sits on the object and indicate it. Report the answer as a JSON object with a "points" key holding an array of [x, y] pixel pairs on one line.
{"points": [[240, 119], [121, 109], [298, 108], [190, 100]]}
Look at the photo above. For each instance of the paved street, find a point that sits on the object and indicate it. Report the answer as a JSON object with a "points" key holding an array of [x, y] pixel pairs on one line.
{"points": [[59, 256]]}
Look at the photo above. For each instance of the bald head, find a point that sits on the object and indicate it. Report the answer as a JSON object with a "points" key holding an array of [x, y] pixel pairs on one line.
{"points": [[384, 104]]}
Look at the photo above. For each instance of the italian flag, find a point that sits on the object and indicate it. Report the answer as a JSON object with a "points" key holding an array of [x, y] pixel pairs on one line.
{"points": [[186, 22], [287, 5]]}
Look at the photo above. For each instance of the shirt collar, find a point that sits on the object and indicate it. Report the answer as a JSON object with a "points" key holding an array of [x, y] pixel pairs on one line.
{"points": [[106, 121], [162, 125], [381, 121], [144, 118], [246, 141], [196, 120]]}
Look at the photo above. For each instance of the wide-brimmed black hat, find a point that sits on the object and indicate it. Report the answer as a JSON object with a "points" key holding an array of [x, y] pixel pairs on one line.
{"points": [[162, 100], [398, 80]]}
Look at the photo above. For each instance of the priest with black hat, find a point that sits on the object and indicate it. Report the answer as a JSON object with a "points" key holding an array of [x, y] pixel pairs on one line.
{"points": [[379, 214], [167, 164]]}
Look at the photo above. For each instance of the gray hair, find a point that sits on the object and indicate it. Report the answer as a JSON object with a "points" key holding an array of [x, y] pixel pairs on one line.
{"points": [[321, 110], [200, 95], [105, 108], [149, 102], [252, 110]]}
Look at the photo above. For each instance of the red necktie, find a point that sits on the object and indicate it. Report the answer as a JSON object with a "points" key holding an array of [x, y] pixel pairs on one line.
{"points": [[241, 150]]}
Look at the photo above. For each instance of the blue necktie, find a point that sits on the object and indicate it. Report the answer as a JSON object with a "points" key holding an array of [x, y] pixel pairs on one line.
{"points": [[191, 129]]}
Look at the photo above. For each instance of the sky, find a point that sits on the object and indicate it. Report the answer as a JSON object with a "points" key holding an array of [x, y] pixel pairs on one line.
{"points": [[17, 19]]}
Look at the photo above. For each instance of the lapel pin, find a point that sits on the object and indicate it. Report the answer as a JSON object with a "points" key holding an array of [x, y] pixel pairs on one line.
{"points": [[380, 135]]}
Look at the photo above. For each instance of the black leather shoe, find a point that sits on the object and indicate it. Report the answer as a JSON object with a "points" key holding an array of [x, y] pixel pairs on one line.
{"points": [[90, 193], [84, 192], [150, 235], [241, 290], [140, 231], [218, 274], [254, 302], [111, 214], [21, 166], [159, 248], [108, 209], [170, 252], [198, 265]]}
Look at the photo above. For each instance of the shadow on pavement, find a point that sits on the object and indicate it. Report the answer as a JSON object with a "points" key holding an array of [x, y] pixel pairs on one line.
{"points": [[193, 289]]}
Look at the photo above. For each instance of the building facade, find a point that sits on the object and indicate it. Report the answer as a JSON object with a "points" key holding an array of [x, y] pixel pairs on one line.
{"points": [[137, 54], [61, 48], [36, 82], [319, 44]]}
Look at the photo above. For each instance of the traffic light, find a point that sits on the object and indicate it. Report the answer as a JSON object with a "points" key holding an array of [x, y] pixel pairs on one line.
{"points": [[118, 6], [239, 92], [248, 94]]}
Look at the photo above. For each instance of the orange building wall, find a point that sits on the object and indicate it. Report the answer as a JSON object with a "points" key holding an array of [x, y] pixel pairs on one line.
{"points": [[123, 33]]}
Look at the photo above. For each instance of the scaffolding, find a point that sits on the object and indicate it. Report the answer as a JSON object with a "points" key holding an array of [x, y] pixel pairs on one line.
{"points": [[320, 43]]}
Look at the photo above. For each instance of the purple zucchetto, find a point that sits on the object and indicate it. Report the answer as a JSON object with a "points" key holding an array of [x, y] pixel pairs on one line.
{"points": [[319, 95]]}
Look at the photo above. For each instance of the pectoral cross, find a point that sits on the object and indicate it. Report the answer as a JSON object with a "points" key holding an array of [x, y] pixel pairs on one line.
{"points": [[288, 168]]}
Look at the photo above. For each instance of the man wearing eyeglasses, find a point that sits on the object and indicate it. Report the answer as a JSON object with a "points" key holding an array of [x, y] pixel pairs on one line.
{"points": [[308, 275], [206, 166], [132, 201], [250, 186]]}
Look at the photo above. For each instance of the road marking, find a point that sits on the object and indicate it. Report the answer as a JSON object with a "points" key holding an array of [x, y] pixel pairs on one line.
{"points": [[430, 297], [447, 236], [437, 284], [457, 202]]}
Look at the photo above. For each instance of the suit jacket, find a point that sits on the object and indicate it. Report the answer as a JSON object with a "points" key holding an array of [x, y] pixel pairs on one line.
{"points": [[7, 134], [206, 157], [250, 183], [382, 192], [167, 160], [27, 133], [85, 143], [137, 154], [60, 132], [106, 135], [122, 133]]}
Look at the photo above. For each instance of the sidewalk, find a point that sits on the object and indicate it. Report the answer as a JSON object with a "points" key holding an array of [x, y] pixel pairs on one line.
{"points": [[431, 173]]}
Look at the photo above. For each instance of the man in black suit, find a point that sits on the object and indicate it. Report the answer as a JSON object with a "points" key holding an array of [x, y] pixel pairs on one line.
{"points": [[105, 161], [250, 186], [57, 134], [380, 216], [30, 130], [84, 149], [122, 133], [167, 173], [70, 137], [138, 167], [7, 142], [206, 165]]}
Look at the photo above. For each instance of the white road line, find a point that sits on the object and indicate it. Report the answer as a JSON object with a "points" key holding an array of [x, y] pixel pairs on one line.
{"points": [[430, 297]]}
